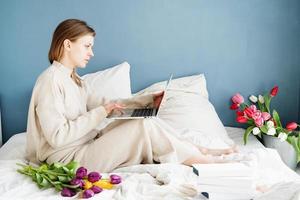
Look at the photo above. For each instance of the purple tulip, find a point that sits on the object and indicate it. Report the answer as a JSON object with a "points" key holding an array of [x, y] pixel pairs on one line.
{"points": [[81, 172], [96, 189], [77, 181], [115, 179], [94, 176], [67, 192], [88, 194]]}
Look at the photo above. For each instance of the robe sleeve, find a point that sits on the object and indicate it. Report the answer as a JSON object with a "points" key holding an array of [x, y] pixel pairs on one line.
{"points": [[137, 101], [57, 129]]}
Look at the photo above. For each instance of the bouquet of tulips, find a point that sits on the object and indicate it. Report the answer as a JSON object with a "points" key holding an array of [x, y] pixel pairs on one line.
{"points": [[261, 120], [69, 179]]}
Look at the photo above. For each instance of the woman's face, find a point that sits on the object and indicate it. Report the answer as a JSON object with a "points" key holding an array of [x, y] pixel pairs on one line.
{"points": [[81, 51]]}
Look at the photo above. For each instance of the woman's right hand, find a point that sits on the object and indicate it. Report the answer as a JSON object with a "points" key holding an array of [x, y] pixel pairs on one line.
{"points": [[109, 107]]}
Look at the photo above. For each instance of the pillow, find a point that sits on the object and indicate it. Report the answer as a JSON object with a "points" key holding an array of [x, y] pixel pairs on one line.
{"points": [[112, 83], [193, 84], [103, 86], [14, 148], [187, 109]]}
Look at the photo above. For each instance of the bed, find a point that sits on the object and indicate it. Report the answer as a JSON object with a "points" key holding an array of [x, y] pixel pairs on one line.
{"points": [[161, 181], [165, 181]]}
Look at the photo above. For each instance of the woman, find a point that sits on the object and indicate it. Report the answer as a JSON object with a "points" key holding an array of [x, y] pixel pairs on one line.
{"points": [[61, 123]]}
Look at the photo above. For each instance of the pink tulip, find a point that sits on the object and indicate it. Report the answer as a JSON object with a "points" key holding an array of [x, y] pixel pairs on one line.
{"points": [[234, 106], [265, 115], [257, 114], [237, 98], [241, 119], [291, 126], [249, 111], [274, 91], [259, 122]]}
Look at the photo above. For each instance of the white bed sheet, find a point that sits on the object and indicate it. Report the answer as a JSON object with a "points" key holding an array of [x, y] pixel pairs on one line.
{"points": [[164, 181]]}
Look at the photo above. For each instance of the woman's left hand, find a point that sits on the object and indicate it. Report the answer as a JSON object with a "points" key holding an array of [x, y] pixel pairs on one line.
{"points": [[157, 99]]}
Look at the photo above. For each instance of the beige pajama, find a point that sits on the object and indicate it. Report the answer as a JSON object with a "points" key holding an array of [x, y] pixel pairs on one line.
{"points": [[130, 142], [62, 121]]}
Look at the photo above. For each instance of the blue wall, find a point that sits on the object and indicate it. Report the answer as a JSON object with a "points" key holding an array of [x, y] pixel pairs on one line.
{"points": [[242, 46]]}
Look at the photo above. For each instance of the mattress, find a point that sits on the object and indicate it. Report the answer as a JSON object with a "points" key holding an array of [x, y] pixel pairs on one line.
{"points": [[163, 181]]}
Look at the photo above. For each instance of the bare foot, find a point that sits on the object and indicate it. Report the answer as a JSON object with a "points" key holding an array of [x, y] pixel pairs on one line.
{"points": [[205, 159], [262, 188], [218, 152]]}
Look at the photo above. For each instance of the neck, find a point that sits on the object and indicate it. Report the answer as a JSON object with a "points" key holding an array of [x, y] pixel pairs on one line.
{"points": [[67, 63]]}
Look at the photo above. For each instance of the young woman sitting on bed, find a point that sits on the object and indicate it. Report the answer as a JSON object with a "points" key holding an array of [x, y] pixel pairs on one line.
{"points": [[61, 123]]}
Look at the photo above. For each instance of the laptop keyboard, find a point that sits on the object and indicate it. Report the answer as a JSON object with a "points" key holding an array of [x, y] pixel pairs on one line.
{"points": [[142, 112]]}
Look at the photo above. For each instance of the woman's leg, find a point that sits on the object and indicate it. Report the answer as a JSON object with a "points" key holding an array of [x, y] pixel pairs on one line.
{"points": [[123, 143], [131, 142]]}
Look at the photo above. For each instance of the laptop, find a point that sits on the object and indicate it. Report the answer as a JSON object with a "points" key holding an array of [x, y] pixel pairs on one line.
{"points": [[140, 113]]}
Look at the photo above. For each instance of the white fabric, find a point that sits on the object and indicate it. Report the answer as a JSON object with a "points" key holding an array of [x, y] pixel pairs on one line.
{"points": [[112, 83], [150, 182], [14, 148], [192, 84], [109, 84], [188, 109], [0, 130]]}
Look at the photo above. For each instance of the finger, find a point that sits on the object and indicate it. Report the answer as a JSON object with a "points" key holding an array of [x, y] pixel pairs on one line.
{"points": [[119, 106], [158, 93]]}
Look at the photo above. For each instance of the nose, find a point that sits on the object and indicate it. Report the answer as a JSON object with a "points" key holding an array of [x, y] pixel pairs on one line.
{"points": [[91, 54]]}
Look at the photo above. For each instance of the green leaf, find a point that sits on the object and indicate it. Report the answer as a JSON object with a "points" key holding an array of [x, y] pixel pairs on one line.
{"points": [[33, 177], [43, 167], [267, 98], [39, 179], [264, 128], [64, 179], [276, 118], [294, 141], [52, 177], [66, 169], [247, 133], [260, 106], [45, 183], [73, 165], [57, 165], [250, 122], [58, 187]]}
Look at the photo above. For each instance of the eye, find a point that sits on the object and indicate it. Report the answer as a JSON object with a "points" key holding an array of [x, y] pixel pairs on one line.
{"points": [[87, 45]]}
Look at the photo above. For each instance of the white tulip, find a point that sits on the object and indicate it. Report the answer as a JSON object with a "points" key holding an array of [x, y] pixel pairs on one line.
{"points": [[270, 124], [271, 131], [253, 98], [255, 131], [261, 99], [282, 136]]}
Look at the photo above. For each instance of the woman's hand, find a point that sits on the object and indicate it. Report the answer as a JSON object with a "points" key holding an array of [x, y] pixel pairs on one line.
{"points": [[157, 99], [109, 107]]}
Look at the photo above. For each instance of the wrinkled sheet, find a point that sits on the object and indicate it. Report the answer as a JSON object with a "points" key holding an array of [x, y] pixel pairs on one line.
{"points": [[155, 181]]}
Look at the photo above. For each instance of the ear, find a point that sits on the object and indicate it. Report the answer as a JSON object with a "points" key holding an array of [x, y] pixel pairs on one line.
{"points": [[67, 44]]}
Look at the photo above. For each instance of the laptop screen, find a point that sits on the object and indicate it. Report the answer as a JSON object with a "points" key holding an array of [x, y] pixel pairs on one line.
{"points": [[165, 93]]}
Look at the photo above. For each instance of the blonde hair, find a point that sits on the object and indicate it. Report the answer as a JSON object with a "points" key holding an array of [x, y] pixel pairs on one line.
{"points": [[70, 29]]}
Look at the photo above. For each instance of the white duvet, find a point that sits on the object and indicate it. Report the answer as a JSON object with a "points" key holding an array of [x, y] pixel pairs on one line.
{"points": [[160, 181]]}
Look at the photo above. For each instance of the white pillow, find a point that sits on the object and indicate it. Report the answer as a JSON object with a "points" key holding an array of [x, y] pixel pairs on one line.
{"points": [[112, 83], [14, 148], [187, 108], [193, 84], [103, 86]]}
